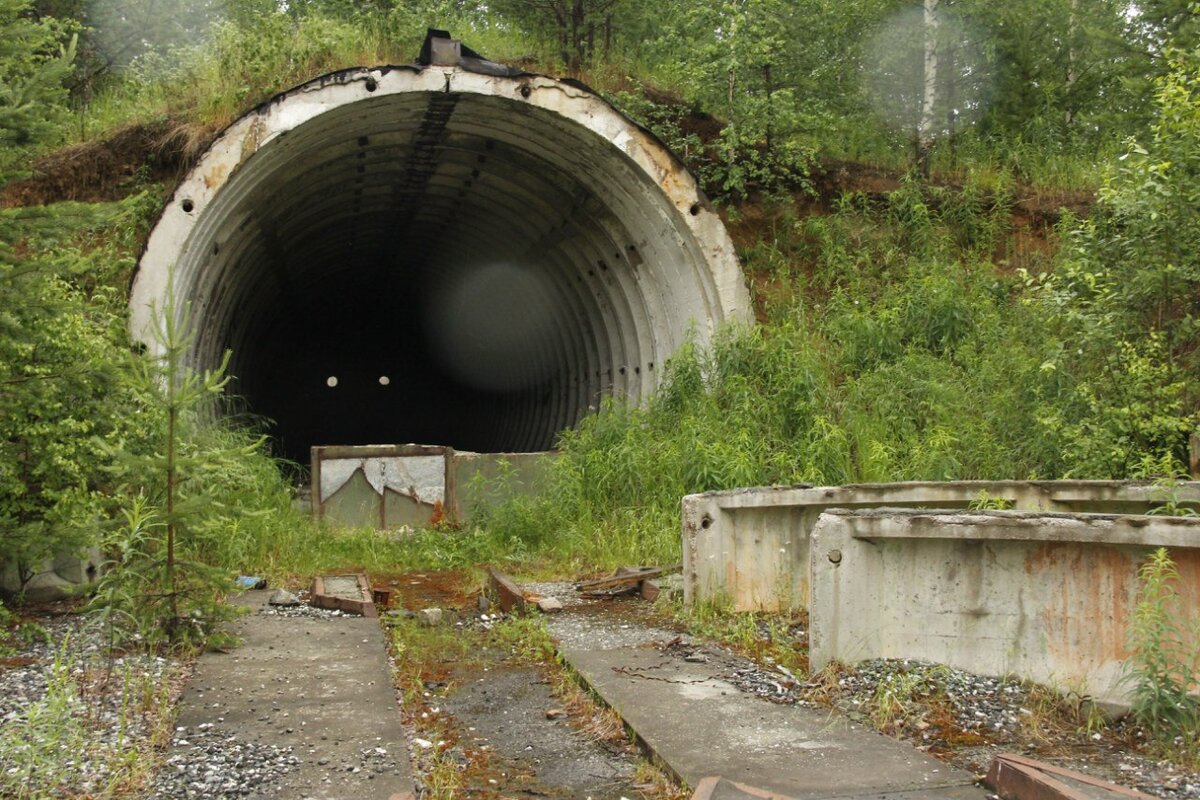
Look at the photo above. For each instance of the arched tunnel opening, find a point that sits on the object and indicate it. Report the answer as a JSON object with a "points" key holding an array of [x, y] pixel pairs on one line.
{"points": [[437, 255]]}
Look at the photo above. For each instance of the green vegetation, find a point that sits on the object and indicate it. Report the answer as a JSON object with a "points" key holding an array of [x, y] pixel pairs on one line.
{"points": [[51, 750], [1165, 666], [951, 324]]}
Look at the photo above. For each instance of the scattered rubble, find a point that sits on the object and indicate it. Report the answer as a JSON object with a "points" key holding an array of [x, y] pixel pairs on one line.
{"points": [[549, 605], [627, 580], [217, 764], [303, 610]]}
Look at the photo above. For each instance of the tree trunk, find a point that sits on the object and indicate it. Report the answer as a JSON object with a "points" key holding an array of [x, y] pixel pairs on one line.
{"points": [[172, 483], [1072, 67], [925, 128], [950, 84], [578, 44], [770, 89]]}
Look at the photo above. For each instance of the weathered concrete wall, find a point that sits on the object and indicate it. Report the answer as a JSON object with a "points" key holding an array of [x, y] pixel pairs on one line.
{"points": [[750, 546], [478, 480], [56, 578], [392, 486], [1048, 597]]}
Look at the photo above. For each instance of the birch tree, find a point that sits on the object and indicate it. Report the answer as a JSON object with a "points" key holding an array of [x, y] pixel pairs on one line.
{"points": [[926, 129]]}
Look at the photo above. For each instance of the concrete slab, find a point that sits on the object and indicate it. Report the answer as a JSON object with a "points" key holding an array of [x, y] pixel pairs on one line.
{"points": [[319, 685], [701, 726]]}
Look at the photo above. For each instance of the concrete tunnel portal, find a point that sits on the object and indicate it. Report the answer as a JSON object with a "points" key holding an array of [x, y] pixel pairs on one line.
{"points": [[437, 254]]}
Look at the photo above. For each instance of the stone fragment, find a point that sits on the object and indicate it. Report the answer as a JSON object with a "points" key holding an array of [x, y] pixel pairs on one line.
{"points": [[282, 597], [549, 605], [555, 713], [430, 616]]}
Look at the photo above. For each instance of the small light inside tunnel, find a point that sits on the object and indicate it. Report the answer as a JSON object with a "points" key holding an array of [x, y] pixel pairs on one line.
{"points": [[384, 380], [331, 381]]}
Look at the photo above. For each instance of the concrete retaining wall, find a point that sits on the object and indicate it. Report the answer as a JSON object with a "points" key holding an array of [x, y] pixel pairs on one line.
{"points": [[478, 480], [58, 577], [393, 486], [1047, 597], [750, 546]]}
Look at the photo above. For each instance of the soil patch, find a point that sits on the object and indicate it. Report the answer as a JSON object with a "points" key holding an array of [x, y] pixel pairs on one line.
{"points": [[510, 713], [492, 720], [111, 168]]}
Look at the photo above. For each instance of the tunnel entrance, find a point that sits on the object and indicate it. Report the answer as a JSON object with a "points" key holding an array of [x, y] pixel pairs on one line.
{"points": [[457, 254]]}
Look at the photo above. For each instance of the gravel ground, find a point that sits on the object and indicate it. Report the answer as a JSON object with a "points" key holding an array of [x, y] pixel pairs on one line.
{"points": [[216, 764], [115, 705], [992, 716]]}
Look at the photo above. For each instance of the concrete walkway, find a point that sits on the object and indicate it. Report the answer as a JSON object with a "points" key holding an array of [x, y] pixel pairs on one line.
{"points": [[728, 744], [305, 708]]}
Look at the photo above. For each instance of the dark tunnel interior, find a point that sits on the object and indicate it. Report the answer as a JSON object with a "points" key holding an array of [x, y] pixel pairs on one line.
{"points": [[358, 366], [393, 262]]}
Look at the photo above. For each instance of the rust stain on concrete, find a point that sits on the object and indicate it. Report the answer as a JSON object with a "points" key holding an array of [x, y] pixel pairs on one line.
{"points": [[1086, 616], [216, 176]]}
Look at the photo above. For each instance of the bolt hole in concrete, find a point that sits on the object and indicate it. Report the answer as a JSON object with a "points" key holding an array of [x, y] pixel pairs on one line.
{"points": [[452, 266]]}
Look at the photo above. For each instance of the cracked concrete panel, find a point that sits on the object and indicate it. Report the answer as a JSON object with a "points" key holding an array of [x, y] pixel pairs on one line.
{"points": [[423, 478]]}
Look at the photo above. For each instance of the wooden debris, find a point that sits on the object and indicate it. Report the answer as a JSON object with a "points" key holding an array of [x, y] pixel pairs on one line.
{"points": [[626, 577], [1016, 777]]}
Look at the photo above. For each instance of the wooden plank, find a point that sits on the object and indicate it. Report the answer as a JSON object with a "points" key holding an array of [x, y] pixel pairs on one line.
{"points": [[630, 577]]}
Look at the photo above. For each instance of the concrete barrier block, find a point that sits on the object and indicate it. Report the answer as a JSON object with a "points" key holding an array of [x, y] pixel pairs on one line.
{"points": [[1047, 597], [750, 546]]}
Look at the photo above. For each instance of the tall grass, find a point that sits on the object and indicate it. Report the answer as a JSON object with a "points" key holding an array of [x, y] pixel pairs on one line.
{"points": [[1164, 669], [906, 356], [244, 63]]}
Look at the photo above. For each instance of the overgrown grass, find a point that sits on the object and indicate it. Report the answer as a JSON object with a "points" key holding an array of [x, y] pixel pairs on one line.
{"points": [[244, 63], [1047, 166], [765, 637]]}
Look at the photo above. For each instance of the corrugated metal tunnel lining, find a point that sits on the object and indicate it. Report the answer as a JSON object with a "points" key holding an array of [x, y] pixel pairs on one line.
{"points": [[474, 260]]}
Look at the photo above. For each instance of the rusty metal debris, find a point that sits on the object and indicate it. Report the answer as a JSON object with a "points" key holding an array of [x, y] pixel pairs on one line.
{"points": [[506, 593], [1015, 777], [717, 787]]}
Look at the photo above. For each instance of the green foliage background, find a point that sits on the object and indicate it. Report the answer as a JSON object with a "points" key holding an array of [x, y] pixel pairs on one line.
{"points": [[905, 333]]}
